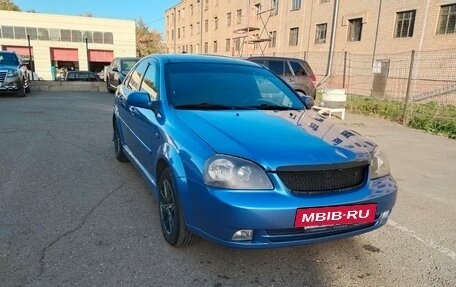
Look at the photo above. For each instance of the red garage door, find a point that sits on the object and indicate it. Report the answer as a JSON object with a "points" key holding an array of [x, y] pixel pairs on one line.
{"points": [[60, 54], [21, 50], [101, 55]]}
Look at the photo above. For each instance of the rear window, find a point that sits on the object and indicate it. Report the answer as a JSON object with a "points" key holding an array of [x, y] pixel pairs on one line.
{"points": [[126, 65]]}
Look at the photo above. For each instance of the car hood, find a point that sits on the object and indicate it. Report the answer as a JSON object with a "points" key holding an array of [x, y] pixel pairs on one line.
{"points": [[277, 138]]}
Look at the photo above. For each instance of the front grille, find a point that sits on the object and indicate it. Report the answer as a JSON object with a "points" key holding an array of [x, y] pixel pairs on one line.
{"points": [[2, 76], [324, 178]]}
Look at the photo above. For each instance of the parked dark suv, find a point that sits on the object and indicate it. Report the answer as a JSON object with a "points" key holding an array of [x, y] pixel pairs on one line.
{"points": [[12, 77], [296, 72], [117, 71]]}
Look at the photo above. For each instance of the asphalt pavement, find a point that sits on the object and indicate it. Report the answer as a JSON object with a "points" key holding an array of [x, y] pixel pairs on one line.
{"points": [[72, 215]]}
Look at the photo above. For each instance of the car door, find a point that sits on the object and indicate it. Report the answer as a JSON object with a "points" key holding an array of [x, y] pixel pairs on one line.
{"points": [[111, 73], [128, 114], [147, 123]]}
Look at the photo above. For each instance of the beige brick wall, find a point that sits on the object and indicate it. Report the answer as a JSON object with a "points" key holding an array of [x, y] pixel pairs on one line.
{"points": [[374, 37]]}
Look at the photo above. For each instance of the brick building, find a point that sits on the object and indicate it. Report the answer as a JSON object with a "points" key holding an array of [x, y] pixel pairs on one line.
{"points": [[293, 27]]}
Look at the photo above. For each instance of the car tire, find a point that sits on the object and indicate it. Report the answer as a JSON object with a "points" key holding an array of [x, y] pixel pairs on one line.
{"points": [[21, 92], [118, 148], [27, 90], [108, 87], [171, 216]]}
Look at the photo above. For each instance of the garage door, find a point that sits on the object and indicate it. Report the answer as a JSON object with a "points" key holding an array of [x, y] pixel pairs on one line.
{"points": [[59, 54], [101, 55]]}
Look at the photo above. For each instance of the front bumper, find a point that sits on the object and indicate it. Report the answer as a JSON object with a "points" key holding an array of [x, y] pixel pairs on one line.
{"points": [[11, 84], [217, 214]]}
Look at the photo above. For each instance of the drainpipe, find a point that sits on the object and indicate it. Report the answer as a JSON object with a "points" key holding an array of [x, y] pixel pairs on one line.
{"points": [[175, 31], [331, 46], [376, 31]]}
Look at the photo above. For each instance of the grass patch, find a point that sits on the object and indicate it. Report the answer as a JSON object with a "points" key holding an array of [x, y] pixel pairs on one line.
{"points": [[432, 117]]}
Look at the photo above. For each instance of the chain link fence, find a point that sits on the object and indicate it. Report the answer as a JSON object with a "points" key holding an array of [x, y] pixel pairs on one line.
{"points": [[415, 77]]}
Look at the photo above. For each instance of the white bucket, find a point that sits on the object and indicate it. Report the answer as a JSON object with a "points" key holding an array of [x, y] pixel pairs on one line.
{"points": [[334, 98]]}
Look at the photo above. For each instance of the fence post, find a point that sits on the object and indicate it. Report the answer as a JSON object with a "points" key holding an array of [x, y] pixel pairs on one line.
{"points": [[407, 93], [345, 69]]}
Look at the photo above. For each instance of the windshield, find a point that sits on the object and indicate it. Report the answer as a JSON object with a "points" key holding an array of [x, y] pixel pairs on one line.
{"points": [[8, 59], [225, 86]]}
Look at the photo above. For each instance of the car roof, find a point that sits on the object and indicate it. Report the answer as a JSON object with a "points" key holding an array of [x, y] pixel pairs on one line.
{"points": [[275, 58], [197, 58]]}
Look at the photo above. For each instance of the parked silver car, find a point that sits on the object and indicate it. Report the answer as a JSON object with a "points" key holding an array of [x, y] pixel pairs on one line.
{"points": [[117, 71]]}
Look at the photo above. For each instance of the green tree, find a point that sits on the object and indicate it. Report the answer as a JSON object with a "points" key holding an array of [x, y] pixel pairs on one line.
{"points": [[147, 41], [8, 5]]}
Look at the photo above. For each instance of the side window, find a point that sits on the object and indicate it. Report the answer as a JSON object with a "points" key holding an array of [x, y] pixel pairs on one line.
{"points": [[276, 66], [92, 77], [71, 77], [150, 82], [137, 75], [297, 68]]}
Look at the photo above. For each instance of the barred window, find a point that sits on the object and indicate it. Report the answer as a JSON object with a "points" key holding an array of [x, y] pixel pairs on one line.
{"points": [[320, 33], [294, 32], [405, 22], [447, 19]]}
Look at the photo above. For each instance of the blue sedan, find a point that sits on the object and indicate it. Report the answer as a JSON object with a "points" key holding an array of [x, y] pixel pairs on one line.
{"points": [[232, 154]]}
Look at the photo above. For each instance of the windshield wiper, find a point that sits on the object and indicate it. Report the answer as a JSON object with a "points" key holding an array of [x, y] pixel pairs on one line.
{"points": [[271, 107], [209, 106]]}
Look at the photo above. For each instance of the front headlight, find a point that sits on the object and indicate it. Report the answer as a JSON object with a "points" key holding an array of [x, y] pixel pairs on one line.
{"points": [[12, 73], [230, 172], [379, 164]]}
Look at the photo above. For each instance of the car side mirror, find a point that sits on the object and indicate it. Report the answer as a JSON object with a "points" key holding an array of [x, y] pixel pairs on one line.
{"points": [[115, 69], [309, 102], [139, 99]]}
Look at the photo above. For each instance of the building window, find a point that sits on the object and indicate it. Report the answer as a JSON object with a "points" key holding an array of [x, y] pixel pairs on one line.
{"points": [[206, 4], [273, 37], [215, 23], [198, 27], [97, 37], [8, 32], [178, 33], [228, 19], [294, 36], [237, 44], [191, 29], [323, 1], [320, 33], [183, 32], [275, 7], [55, 35], [239, 16], [19, 32], [43, 34], [215, 46], [227, 45], [206, 25], [405, 21], [172, 34], [191, 48], [107, 37], [76, 36], [355, 27], [258, 10], [447, 19], [32, 33], [191, 9], [178, 14], [295, 4], [206, 47]]}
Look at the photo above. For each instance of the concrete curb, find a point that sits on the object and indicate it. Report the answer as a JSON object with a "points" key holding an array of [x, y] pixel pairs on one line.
{"points": [[64, 86]]}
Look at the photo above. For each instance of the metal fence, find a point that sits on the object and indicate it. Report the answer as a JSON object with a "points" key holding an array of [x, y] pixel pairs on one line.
{"points": [[410, 77]]}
